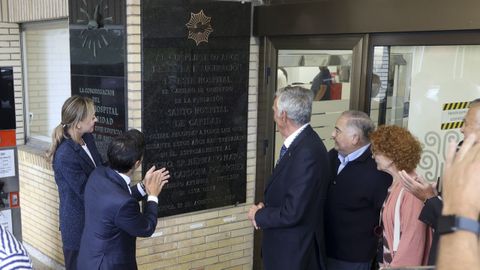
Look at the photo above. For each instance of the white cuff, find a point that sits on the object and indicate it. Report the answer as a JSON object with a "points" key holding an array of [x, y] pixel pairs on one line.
{"points": [[140, 189], [152, 198]]}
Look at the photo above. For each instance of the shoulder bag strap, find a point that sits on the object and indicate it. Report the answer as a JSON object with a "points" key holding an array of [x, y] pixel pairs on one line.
{"points": [[396, 223]]}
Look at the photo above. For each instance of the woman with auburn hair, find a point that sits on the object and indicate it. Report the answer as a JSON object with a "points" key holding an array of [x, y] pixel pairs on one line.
{"points": [[406, 240], [74, 156]]}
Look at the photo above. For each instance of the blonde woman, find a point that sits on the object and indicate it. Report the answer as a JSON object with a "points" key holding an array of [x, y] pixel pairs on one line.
{"points": [[406, 240], [74, 156]]}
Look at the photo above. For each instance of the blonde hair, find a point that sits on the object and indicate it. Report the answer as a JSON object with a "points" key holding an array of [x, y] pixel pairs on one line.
{"points": [[74, 110]]}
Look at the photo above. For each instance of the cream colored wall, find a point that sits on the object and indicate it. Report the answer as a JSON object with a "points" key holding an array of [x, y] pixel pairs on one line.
{"points": [[220, 238], [3, 10], [36, 10], [39, 203], [47, 53]]}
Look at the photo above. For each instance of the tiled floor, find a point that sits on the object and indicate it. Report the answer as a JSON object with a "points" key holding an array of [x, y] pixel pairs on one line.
{"points": [[37, 265]]}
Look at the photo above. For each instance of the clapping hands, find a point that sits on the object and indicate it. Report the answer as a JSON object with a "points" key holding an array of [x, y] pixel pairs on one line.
{"points": [[155, 180]]}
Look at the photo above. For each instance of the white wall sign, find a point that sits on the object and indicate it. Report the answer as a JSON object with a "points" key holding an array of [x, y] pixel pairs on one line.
{"points": [[6, 219], [7, 163]]}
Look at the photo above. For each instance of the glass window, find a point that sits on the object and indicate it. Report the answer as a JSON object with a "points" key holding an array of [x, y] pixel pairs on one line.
{"points": [[426, 89], [327, 74], [46, 56]]}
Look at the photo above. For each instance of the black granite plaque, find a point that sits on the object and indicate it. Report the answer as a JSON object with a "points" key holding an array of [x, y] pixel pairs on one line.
{"points": [[7, 99], [108, 94], [97, 56], [195, 96]]}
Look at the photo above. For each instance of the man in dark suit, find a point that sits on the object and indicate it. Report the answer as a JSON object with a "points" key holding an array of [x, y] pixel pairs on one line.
{"points": [[112, 214], [427, 193], [355, 195], [292, 215]]}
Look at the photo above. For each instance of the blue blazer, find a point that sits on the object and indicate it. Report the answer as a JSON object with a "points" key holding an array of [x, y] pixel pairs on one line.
{"points": [[113, 221], [71, 167], [292, 220]]}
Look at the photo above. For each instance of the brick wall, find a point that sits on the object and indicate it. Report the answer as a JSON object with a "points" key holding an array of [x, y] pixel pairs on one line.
{"points": [[10, 57], [219, 238], [213, 239], [39, 203]]}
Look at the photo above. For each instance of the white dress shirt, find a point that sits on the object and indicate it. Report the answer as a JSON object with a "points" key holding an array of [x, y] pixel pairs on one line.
{"points": [[351, 157], [139, 187]]}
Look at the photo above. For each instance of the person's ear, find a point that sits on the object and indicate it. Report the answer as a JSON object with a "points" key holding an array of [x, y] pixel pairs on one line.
{"points": [[138, 163], [284, 116], [355, 139]]}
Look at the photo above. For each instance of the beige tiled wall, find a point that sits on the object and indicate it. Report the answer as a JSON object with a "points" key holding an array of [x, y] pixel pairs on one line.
{"points": [[39, 203], [35, 10], [219, 238]]}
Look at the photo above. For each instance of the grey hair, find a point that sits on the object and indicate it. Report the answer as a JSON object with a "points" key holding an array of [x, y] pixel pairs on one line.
{"points": [[361, 122], [296, 101]]}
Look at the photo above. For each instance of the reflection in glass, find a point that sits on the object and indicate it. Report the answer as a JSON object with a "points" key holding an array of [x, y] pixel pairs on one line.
{"points": [[7, 99], [427, 90], [327, 74]]}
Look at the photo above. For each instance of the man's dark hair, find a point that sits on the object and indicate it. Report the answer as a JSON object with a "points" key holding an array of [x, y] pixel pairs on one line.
{"points": [[126, 149]]}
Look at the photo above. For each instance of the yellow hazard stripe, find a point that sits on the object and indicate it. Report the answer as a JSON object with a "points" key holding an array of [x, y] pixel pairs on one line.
{"points": [[451, 125], [455, 106]]}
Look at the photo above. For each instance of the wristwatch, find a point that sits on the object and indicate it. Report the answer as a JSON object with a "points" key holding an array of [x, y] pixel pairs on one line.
{"points": [[452, 223]]}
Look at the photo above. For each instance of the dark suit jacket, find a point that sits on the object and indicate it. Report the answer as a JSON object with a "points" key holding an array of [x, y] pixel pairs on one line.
{"points": [[72, 166], [292, 220], [354, 199], [112, 222], [429, 215]]}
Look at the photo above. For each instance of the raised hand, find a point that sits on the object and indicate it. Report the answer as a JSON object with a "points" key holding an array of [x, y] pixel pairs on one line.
{"points": [[155, 180], [418, 186]]}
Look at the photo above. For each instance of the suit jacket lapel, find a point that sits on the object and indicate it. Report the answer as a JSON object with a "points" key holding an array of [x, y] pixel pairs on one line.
{"points": [[288, 155], [78, 148]]}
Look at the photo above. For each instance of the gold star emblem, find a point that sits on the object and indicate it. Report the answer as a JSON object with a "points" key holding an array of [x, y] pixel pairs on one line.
{"points": [[199, 27]]}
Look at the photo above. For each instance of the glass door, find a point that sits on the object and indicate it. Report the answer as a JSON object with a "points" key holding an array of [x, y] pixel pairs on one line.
{"points": [[327, 74], [427, 90], [330, 67]]}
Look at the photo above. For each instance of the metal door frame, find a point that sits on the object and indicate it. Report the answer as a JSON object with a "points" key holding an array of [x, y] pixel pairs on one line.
{"points": [[269, 47]]}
